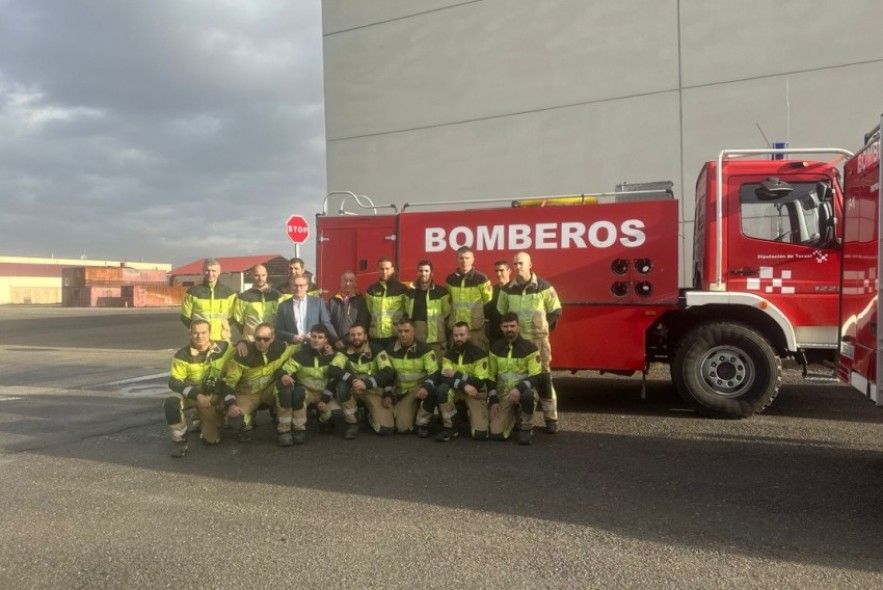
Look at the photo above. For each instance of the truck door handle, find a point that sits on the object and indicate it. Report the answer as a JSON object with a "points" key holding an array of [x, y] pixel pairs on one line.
{"points": [[745, 270]]}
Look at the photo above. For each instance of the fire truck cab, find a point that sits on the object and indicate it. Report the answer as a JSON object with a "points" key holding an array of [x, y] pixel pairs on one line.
{"points": [[766, 269]]}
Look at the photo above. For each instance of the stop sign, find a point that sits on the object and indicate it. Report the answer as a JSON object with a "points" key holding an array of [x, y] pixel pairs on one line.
{"points": [[298, 229]]}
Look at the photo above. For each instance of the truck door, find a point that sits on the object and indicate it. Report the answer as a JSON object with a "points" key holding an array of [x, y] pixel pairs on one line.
{"points": [[782, 246], [353, 243]]}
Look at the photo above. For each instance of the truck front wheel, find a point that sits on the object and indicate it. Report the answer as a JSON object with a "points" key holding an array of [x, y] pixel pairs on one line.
{"points": [[726, 370]]}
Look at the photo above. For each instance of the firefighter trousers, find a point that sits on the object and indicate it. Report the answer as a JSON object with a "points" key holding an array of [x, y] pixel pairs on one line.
{"points": [[379, 417], [293, 402], [504, 422], [547, 397], [212, 417], [476, 406], [408, 410], [250, 403]]}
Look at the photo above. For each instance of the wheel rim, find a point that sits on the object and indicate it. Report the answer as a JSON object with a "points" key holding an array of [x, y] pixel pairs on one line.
{"points": [[728, 371]]}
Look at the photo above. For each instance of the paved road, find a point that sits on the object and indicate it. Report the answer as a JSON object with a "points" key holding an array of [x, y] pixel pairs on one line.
{"points": [[633, 494]]}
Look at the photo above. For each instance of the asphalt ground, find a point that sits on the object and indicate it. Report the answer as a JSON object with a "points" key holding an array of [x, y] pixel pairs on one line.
{"points": [[633, 493]]}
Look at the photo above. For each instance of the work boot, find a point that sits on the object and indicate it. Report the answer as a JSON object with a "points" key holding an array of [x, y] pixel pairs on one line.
{"points": [[352, 430], [422, 431], [179, 449], [284, 439], [480, 435], [446, 435], [551, 426], [244, 436], [525, 437], [326, 425], [299, 437], [386, 431]]}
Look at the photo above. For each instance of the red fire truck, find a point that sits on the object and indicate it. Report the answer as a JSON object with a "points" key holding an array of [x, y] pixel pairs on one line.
{"points": [[765, 276], [860, 345]]}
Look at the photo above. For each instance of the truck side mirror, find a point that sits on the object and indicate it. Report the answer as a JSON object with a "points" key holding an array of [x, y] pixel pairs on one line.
{"points": [[772, 189]]}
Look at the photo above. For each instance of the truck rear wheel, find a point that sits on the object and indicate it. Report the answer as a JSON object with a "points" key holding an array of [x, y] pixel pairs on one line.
{"points": [[726, 370]]}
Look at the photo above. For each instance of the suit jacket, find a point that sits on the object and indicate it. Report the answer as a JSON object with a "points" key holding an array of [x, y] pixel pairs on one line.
{"points": [[317, 313]]}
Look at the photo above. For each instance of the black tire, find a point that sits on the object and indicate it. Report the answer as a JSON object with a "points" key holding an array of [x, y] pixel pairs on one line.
{"points": [[726, 370]]}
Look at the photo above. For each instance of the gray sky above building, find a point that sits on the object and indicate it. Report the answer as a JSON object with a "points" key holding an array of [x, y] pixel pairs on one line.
{"points": [[162, 131]]}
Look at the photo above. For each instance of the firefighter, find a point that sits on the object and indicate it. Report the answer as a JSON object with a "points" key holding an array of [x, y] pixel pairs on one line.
{"points": [[297, 268], [366, 374], [304, 379], [502, 272], [513, 370], [194, 379], [249, 384], [470, 290], [428, 305], [463, 378], [347, 308], [255, 305], [416, 375], [386, 303], [211, 301], [538, 309]]}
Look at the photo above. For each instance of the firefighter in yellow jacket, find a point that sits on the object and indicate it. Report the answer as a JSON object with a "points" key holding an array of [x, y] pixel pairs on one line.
{"points": [[210, 301], [463, 378], [417, 371], [250, 380], [366, 374], [538, 308], [386, 303], [255, 305], [194, 380], [305, 379], [513, 369], [470, 290], [428, 305]]}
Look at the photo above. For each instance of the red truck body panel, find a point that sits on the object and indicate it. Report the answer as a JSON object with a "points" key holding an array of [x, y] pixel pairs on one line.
{"points": [[860, 340]]}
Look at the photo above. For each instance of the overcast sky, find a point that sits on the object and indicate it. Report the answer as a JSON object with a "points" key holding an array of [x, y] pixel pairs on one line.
{"points": [[160, 130]]}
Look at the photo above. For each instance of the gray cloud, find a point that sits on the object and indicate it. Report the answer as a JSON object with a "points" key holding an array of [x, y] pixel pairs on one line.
{"points": [[164, 131]]}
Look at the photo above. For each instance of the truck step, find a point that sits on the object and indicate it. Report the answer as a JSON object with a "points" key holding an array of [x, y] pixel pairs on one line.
{"points": [[821, 377]]}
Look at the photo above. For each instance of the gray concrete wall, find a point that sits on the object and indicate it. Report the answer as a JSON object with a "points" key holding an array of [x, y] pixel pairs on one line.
{"points": [[429, 100]]}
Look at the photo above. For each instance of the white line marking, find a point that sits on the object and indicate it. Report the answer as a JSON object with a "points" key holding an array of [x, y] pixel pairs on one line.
{"points": [[135, 379], [8, 399]]}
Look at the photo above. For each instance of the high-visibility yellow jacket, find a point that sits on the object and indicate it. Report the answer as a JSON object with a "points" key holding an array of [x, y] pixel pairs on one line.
{"points": [[512, 365], [536, 304], [470, 366], [213, 303], [386, 304], [369, 363], [195, 372], [253, 307], [309, 367], [254, 372], [432, 306], [414, 365], [469, 292]]}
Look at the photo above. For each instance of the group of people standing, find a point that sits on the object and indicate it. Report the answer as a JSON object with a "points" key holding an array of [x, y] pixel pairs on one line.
{"points": [[403, 351]]}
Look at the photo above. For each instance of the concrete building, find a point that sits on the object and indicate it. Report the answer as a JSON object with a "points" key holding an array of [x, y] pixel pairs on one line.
{"points": [[430, 100], [39, 280]]}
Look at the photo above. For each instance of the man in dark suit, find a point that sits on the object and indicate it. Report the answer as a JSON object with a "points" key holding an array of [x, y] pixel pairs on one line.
{"points": [[296, 315]]}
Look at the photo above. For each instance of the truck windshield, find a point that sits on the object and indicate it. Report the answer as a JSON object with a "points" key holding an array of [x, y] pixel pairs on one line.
{"points": [[800, 217]]}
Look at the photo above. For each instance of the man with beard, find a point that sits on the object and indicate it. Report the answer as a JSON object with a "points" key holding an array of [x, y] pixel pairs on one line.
{"points": [[428, 305], [386, 303], [366, 373], [463, 377], [513, 370]]}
